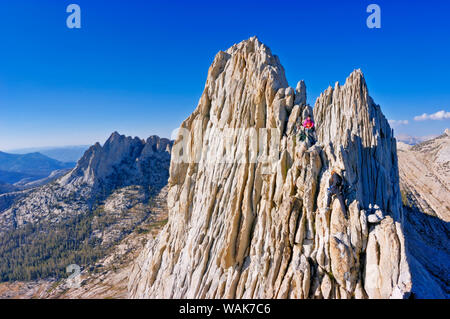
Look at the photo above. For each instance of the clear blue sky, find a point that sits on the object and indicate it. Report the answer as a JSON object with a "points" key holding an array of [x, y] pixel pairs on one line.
{"points": [[139, 67]]}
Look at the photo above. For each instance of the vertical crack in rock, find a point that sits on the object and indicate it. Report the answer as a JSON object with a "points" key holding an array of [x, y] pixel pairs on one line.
{"points": [[260, 229]]}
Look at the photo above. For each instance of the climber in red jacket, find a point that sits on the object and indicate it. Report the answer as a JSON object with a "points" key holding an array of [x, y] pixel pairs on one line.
{"points": [[308, 126], [308, 123]]}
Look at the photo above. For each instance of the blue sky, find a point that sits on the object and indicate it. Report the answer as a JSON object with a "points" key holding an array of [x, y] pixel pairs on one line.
{"points": [[139, 67]]}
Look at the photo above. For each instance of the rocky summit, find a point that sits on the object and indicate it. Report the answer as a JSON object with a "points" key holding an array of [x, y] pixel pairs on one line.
{"points": [[258, 226]]}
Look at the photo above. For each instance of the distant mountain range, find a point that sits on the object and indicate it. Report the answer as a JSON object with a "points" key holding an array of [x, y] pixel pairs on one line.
{"points": [[413, 140], [63, 154], [6, 188], [28, 167]]}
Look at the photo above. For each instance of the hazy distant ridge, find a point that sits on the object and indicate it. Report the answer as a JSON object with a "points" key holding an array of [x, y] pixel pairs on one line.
{"points": [[33, 166], [62, 154]]}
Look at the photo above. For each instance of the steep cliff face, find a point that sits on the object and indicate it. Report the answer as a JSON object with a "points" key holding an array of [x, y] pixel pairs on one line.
{"points": [[247, 197]]}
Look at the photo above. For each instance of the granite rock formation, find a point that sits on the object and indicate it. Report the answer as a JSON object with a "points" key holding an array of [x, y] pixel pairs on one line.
{"points": [[255, 225]]}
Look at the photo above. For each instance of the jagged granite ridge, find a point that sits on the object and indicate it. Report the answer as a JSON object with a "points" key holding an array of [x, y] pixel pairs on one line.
{"points": [[260, 230]]}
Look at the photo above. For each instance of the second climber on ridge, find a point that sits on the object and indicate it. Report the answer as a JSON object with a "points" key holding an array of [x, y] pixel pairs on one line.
{"points": [[335, 189]]}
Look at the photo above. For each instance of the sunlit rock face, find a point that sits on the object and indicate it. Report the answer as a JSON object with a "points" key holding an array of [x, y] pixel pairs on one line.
{"points": [[247, 219]]}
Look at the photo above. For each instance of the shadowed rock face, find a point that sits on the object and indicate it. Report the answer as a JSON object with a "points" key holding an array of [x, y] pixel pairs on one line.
{"points": [[245, 229], [425, 176], [425, 184]]}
